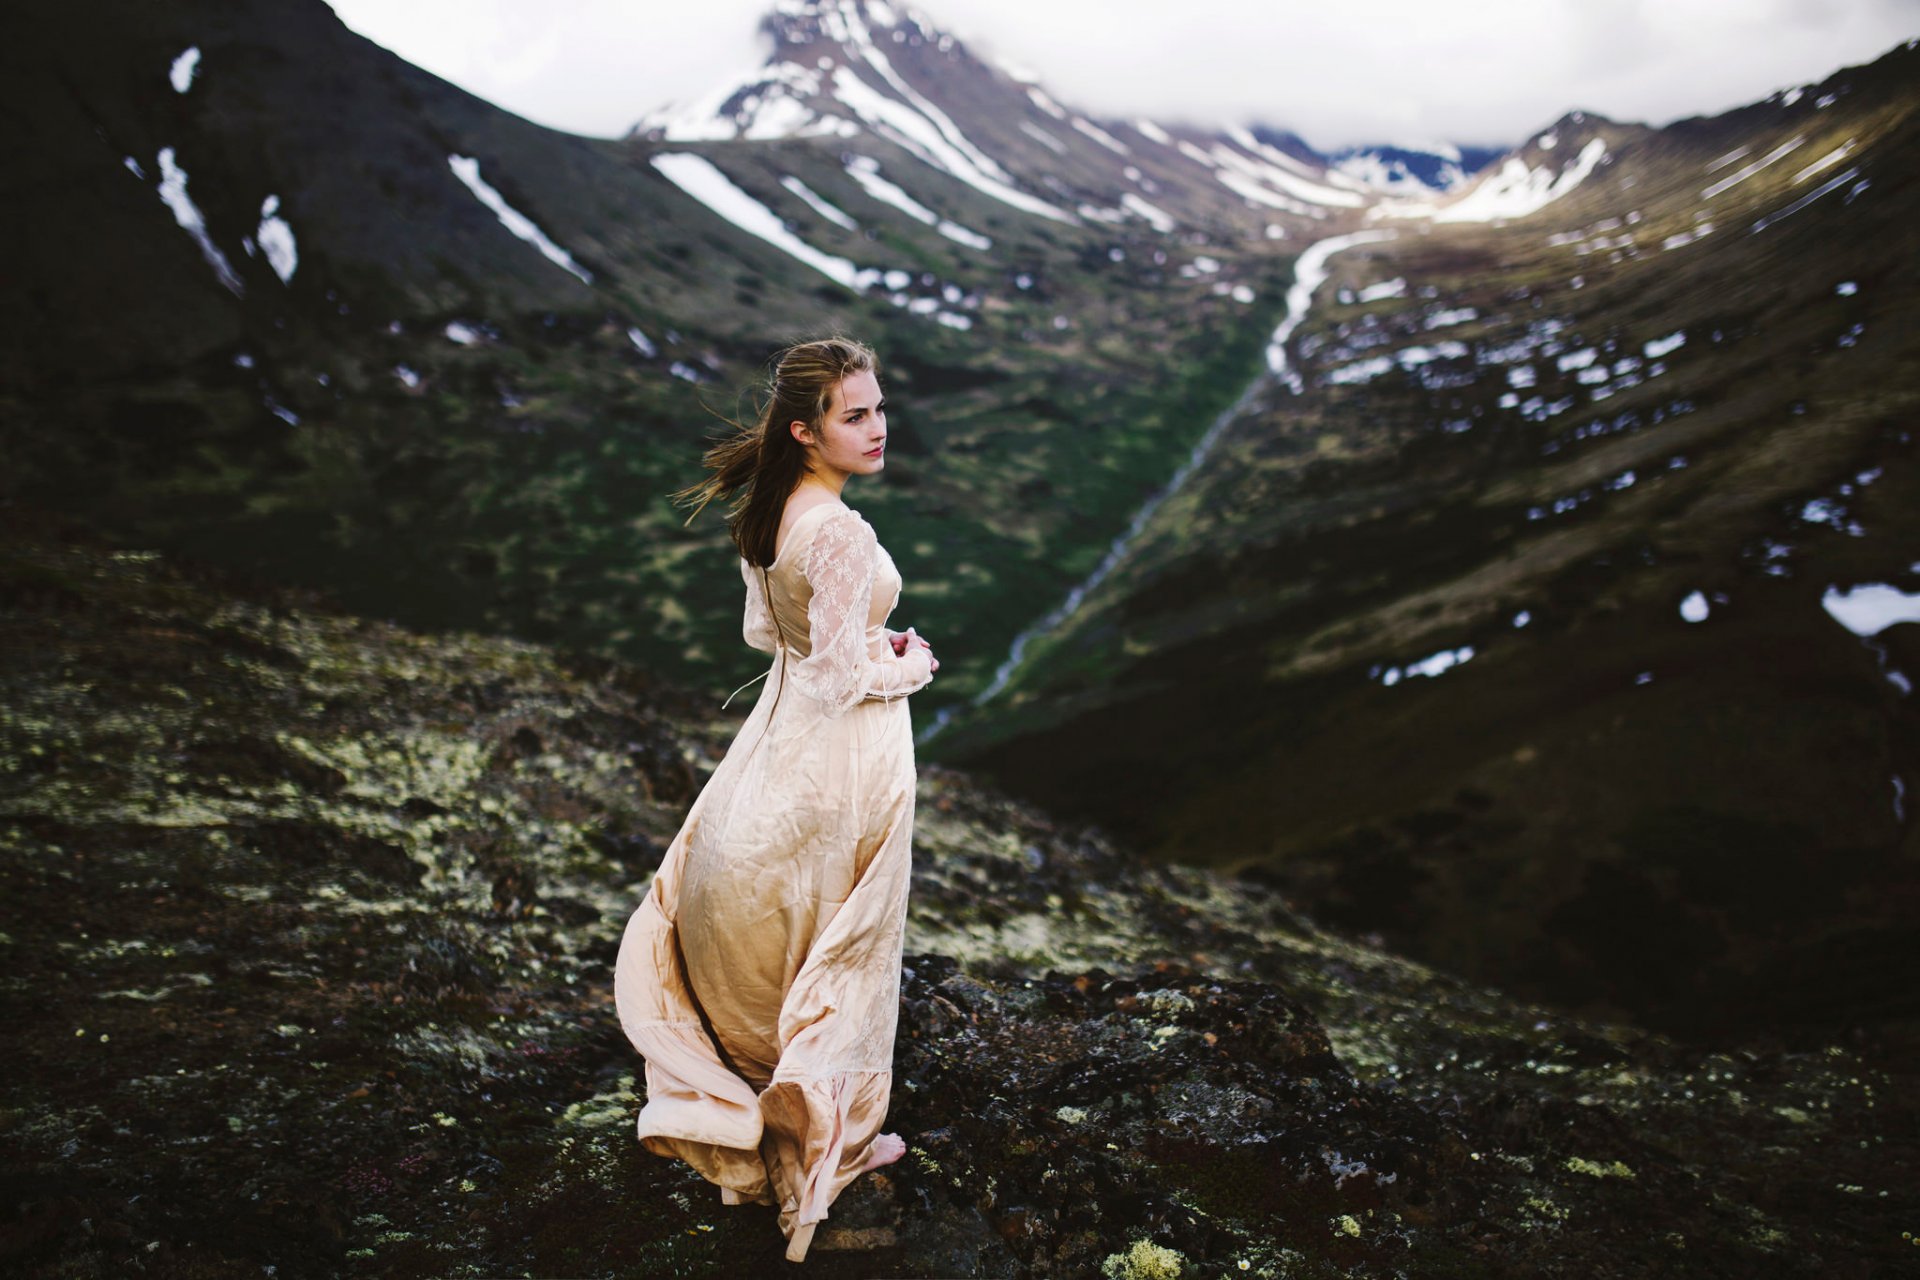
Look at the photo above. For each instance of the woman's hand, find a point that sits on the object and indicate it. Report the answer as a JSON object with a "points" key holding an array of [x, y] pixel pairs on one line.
{"points": [[904, 640]]}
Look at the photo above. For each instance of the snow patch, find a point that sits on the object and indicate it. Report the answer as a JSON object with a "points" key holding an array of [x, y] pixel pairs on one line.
{"points": [[1375, 171], [275, 238], [1411, 356], [1683, 238], [1431, 665], [819, 205], [699, 178], [1042, 137], [467, 169], [1102, 137], [1039, 99], [1747, 171], [1832, 184], [865, 170], [1260, 176], [1155, 217], [1517, 190], [181, 72], [1714, 166], [921, 132], [1869, 609], [767, 104], [173, 191], [1826, 161], [1360, 371], [1661, 346]]}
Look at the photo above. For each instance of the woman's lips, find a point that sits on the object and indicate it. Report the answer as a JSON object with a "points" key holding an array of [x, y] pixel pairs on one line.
{"points": [[874, 453]]}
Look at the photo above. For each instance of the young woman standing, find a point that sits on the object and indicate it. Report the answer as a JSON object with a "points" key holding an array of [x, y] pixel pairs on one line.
{"points": [[760, 976]]}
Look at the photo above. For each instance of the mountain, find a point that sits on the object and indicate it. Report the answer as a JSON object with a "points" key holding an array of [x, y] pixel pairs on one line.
{"points": [[1555, 623], [291, 304], [1531, 176], [1413, 169], [1180, 518], [858, 69]]}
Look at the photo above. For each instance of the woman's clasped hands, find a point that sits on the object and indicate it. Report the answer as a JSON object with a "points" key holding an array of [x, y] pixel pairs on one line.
{"points": [[903, 640]]}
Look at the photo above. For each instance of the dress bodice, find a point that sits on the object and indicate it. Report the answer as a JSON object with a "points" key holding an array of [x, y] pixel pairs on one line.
{"points": [[824, 604], [792, 590]]}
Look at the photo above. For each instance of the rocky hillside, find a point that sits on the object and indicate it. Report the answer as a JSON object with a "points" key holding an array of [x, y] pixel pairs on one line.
{"points": [[289, 303], [309, 930], [1551, 615]]}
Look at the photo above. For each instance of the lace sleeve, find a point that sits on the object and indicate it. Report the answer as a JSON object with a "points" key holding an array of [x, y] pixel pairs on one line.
{"points": [[758, 629], [842, 561]]}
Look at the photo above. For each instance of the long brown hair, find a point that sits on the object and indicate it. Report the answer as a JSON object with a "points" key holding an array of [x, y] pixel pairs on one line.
{"points": [[762, 458]]}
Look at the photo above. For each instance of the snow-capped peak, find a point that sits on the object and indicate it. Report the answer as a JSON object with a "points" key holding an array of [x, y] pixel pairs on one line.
{"points": [[1410, 168], [832, 71], [1519, 188]]}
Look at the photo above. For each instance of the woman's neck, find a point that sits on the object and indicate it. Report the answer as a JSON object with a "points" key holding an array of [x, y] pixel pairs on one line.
{"points": [[814, 480]]}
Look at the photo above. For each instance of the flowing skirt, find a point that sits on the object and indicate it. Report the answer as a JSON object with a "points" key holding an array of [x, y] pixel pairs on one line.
{"points": [[760, 975]]}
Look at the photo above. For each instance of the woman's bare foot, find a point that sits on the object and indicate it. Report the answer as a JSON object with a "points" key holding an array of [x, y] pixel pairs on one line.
{"points": [[886, 1148]]}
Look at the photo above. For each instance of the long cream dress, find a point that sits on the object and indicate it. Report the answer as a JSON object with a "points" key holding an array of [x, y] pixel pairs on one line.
{"points": [[760, 976]]}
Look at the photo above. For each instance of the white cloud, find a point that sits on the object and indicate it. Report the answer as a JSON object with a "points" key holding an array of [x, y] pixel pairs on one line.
{"points": [[1484, 71]]}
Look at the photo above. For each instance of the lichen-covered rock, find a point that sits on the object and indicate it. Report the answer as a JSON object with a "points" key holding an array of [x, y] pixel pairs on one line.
{"points": [[307, 930]]}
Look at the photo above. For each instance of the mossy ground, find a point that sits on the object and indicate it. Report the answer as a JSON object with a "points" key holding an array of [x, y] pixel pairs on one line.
{"points": [[308, 940]]}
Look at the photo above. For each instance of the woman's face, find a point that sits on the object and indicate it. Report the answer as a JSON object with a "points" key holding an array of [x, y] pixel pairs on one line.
{"points": [[853, 432]]}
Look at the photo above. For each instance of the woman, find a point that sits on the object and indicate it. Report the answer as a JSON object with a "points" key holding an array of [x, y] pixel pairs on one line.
{"points": [[760, 977]]}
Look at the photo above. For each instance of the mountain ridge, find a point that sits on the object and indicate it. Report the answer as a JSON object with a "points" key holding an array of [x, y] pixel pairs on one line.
{"points": [[1460, 626]]}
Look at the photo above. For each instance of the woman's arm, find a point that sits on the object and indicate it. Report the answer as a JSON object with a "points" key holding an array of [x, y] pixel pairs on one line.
{"points": [[842, 562]]}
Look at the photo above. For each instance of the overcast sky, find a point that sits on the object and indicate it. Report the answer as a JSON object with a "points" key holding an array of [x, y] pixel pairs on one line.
{"points": [[1466, 71]]}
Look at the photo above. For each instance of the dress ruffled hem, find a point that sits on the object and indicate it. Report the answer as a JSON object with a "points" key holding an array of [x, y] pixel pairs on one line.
{"points": [[796, 1144], [829, 1124]]}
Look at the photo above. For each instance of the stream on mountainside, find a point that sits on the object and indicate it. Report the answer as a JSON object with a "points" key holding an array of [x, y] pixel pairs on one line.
{"points": [[1309, 273]]}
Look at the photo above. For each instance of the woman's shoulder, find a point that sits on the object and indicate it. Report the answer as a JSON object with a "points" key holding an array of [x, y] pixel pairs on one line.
{"points": [[817, 504], [832, 511], [837, 521], [827, 514], [841, 529]]}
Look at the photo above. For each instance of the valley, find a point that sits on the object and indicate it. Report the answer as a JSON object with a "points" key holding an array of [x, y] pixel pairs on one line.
{"points": [[1504, 636]]}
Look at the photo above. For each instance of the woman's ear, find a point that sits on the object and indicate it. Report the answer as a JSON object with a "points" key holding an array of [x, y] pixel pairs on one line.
{"points": [[801, 431]]}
